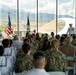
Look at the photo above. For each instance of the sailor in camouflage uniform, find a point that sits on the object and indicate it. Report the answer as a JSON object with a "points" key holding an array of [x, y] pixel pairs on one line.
{"points": [[24, 61], [56, 60]]}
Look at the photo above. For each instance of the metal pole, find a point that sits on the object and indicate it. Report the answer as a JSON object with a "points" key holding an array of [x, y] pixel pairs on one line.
{"points": [[18, 17], [37, 16], [56, 16], [75, 17]]}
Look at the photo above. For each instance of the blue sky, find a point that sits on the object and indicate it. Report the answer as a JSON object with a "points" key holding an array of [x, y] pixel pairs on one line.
{"points": [[45, 6]]}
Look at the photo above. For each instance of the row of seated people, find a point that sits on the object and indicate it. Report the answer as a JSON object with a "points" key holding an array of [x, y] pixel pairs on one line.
{"points": [[8, 50], [7, 57], [55, 51]]}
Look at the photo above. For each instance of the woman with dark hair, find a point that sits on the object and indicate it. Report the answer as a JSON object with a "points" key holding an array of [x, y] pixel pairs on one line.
{"points": [[44, 47], [37, 37], [48, 45], [62, 39]]}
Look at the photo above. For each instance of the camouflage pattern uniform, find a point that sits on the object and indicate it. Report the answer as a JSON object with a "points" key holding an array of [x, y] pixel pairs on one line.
{"points": [[39, 46], [47, 51], [56, 61], [35, 43], [23, 63], [33, 50]]}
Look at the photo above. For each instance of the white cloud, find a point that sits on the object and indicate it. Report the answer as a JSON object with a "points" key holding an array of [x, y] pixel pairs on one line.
{"points": [[67, 8], [45, 6], [50, 7], [10, 3]]}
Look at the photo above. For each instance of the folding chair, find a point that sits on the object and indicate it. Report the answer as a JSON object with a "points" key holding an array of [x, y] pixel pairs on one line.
{"points": [[4, 66], [75, 65], [72, 58], [57, 73], [2, 63]]}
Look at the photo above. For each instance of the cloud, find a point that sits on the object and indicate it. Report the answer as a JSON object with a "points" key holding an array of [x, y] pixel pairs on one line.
{"points": [[45, 6], [10, 3], [50, 7], [67, 8]]}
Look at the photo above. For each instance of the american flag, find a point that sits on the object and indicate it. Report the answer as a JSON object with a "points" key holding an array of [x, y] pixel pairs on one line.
{"points": [[9, 29]]}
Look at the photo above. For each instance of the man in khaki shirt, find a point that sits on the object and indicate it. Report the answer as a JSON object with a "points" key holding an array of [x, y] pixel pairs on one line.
{"points": [[68, 49]]}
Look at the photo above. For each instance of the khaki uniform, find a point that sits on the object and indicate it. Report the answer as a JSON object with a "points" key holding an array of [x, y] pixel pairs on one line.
{"points": [[56, 61], [68, 50]]}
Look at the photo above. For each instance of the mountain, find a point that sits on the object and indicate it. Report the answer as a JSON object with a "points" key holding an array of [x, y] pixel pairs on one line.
{"points": [[45, 17]]}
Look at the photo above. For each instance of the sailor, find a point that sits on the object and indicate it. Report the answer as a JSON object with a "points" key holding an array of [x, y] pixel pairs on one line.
{"points": [[70, 30]]}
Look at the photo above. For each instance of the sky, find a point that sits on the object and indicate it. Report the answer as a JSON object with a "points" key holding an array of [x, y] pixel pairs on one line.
{"points": [[45, 6]]}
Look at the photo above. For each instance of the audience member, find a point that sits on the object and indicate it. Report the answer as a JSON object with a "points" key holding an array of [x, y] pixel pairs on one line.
{"points": [[39, 63], [74, 40], [24, 61], [37, 37], [56, 60], [6, 44], [58, 37], [62, 41], [52, 36], [68, 49], [16, 43], [44, 47]]}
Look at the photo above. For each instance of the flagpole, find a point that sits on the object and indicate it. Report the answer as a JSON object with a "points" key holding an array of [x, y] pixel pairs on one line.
{"points": [[75, 16], [18, 17], [56, 16], [9, 29], [37, 16]]}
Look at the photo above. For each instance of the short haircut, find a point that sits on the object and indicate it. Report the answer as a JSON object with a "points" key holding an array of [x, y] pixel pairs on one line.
{"points": [[58, 37], [26, 40], [5, 42], [62, 39], [26, 47], [39, 58], [70, 24], [38, 54], [52, 33], [1, 50]]}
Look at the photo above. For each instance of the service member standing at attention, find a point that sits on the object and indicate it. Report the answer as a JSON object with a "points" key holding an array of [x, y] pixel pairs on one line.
{"points": [[70, 30], [39, 62]]}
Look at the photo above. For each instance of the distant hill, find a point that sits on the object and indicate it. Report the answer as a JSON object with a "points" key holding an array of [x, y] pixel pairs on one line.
{"points": [[23, 15]]}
